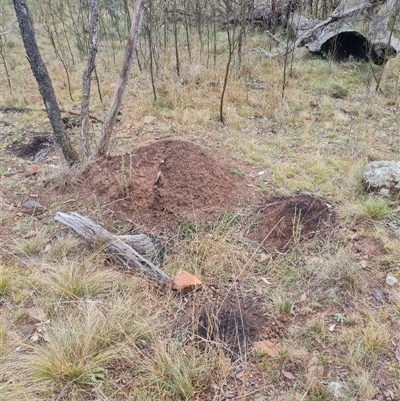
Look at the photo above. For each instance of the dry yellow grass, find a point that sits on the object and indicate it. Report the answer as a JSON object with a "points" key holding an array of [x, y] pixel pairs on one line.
{"points": [[110, 336]]}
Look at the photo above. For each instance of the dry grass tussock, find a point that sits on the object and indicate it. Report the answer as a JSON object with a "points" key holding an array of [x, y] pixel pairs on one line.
{"points": [[109, 335]]}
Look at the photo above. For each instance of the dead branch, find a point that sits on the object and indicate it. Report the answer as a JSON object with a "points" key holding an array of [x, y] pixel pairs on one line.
{"points": [[114, 245]]}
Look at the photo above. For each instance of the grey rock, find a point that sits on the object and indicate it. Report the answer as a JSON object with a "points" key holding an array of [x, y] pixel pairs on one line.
{"points": [[391, 280], [32, 207], [383, 177]]}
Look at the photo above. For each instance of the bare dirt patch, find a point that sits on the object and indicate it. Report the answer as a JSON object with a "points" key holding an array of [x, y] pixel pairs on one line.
{"points": [[369, 248], [232, 318], [164, 181], [29, 150], [283, 220]]}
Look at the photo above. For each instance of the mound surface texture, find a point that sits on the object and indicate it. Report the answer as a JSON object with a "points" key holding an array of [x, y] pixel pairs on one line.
{"points": [[164, 181]]}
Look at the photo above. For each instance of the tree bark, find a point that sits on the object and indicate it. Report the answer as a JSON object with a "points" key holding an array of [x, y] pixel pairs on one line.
{"points": [[42, 77], [114, 245], [123, 77], [87, 79]]}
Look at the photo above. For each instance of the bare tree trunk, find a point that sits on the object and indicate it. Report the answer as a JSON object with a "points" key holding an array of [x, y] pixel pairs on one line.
{"points": [[87, 79], [123, 77], [42, 77]]}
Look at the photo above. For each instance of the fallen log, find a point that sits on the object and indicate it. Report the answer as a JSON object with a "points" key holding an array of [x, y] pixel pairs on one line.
{"points": [[307, 30], [338, 37], [384, 44], [116, 246]]}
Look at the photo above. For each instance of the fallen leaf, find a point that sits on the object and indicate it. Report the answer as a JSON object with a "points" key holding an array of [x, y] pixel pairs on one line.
{"points": [[288, 375]]}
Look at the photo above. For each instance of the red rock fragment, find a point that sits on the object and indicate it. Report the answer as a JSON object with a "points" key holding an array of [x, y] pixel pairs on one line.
{"points": [[185, 282], [33, 169]]}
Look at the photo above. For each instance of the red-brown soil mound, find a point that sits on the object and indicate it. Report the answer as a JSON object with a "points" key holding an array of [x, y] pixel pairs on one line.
{"points": [[164, 181], [283, 220]]}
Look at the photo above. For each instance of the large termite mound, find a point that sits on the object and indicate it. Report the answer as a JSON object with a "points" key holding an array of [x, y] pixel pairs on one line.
{"points": [[165, 181]]}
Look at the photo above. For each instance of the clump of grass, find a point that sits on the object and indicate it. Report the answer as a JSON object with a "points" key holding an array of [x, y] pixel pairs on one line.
{"points": [[371, 209], [182, 373], [281, 303], [337, 275], [63, 247], [188, 229], [6, 280], [374, 209], [81, 345], [74, 280], [129, 319], [338, 91], [65, 177], [3, 336], [376, 337], [75, 352], [34, 245]]}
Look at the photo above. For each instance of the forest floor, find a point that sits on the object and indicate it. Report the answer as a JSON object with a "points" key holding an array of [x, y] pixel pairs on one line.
{"points": [[268, 211]]}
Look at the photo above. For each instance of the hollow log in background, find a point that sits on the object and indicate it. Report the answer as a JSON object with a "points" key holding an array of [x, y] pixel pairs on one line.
{"points": [[338, 37]]}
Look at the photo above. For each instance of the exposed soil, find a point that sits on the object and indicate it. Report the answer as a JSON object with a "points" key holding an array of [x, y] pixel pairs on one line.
{"points": [[283, 220], [369, 248], [164, 182], [29, 150], [238, 322], [235, 319]]}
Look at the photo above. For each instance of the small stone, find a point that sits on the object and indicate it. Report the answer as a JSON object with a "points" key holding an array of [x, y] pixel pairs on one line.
{"points": [[391, 280], [185, 282], [337, 389], [32, 207], [33, 169], [36, 314], [149, 120], [267, 348]]}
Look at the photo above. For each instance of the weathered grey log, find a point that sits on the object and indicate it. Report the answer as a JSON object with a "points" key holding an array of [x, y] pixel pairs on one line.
{"points": [[114, 245], [311, 30], [384, 44], [338, 39]]}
